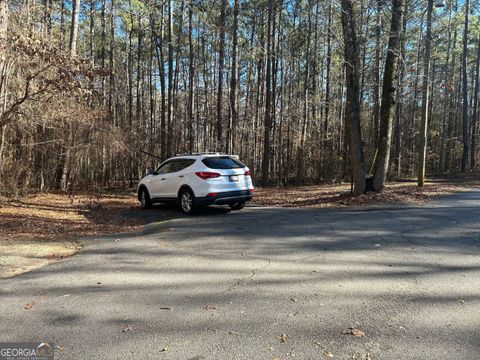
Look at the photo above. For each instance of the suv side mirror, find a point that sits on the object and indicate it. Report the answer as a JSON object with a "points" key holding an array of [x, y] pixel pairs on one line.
{"points": [[152, 172]]}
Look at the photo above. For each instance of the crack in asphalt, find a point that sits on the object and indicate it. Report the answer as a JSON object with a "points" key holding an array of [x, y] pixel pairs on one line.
{"points": [[253, 272]]}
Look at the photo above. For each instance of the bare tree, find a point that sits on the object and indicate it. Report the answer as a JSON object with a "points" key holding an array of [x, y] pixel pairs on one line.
{"points": [[465, 90], [352, 106], [221, 59], [387, 110], [74, 27], [422, 147]]}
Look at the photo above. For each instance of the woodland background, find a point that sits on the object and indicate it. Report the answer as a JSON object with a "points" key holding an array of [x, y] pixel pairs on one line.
{"points": [[88, 86]]}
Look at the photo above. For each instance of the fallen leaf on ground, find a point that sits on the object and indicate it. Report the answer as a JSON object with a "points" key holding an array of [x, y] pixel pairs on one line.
{"points": [[294, 300], [59, 348], [164, 349], [209, 307], [327, 354], [368, 357], [283, 338], [128, 328], [165, 308], [354, 332], [29, 305], [461, 301], [358, 333]]}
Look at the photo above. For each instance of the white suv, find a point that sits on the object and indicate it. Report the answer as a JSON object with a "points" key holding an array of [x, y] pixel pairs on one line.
{"points": [[198, 180]]}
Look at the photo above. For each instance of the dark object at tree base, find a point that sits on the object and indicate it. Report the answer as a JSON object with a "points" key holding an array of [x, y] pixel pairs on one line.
{"points": [[369, 184]]}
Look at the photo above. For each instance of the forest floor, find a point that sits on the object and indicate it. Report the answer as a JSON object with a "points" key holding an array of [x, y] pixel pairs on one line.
{"points": [[41, 228]]}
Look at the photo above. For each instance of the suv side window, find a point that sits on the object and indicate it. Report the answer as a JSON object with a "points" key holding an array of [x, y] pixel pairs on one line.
{"points": [[165, 168], [173, 166], [182, 164]]}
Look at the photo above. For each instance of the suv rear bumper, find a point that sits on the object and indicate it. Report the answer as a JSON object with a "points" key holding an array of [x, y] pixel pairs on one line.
{"points": [[225, 198]]}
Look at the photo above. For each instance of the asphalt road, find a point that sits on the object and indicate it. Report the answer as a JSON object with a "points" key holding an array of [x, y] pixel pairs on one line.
{"points": [[228, 285]]}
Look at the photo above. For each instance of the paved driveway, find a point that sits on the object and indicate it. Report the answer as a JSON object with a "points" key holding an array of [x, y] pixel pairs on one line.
{"points": [[265, 284]]}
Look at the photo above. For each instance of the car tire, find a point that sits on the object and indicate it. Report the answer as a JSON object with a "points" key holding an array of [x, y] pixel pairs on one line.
{"points": [[186, 201], [145, 199], [237, 206]]}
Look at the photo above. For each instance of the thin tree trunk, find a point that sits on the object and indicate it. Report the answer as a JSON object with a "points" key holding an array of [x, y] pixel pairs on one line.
{"points": [[268, 110], [191, 78], [221, 58], [169, 134], [387, 110], [352, 107], [465, 90], [473, 150], [233, 81], [422, 150], [74, 27]]}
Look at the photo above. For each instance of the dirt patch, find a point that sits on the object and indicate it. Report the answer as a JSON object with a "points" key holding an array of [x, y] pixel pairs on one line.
{"points": [[338, 195], [38, 229]]}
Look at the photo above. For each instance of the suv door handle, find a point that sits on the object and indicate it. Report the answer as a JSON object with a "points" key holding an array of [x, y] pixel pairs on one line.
{"points": [[162, 179], [180, 175]]}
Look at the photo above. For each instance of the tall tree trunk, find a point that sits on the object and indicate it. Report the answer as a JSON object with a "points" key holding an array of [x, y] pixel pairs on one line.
{"points": [[473, 150], [387, 110], [326, 121], [169, 134], [443, 144], [221, 58], [465, 90], [234, 80], [375, 126], [268, 93], [74, 27], [352, 106], [422, 150], [191, 78]]}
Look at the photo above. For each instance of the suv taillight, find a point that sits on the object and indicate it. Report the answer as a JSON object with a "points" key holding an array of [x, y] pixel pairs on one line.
{"points": [[207, 175], [247, 173]]}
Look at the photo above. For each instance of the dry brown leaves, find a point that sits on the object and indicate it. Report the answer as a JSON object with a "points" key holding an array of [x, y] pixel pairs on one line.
{"points": [[338, 195], [59, 216]]}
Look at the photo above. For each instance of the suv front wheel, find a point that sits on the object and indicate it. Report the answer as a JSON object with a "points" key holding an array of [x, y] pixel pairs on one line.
{"points": [[187, 201], [145, 198]]}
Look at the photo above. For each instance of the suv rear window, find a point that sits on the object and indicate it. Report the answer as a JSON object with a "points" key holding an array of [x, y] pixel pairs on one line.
{"points": [[222, 162]]}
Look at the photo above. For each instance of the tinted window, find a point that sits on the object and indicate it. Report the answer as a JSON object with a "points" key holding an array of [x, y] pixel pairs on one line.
{"points": [[166, 168], [182, 164], [222, 162], [174, 166]]}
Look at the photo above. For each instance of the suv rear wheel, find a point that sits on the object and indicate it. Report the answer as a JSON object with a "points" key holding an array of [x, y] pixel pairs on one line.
{"points": [[237, 206], [187, 201]]}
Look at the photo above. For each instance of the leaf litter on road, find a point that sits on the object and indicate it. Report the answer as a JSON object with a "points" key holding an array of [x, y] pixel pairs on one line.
{"points": [[283, 338], [327, 354], [353, 331], [30, 305], [128, 328]]}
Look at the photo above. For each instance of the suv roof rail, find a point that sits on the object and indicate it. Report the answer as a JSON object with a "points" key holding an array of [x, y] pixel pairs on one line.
{"points": [[201, 153]]}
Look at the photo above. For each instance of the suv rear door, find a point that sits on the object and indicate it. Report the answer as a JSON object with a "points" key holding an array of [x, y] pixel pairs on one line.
{"points": [[232, 173]]}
